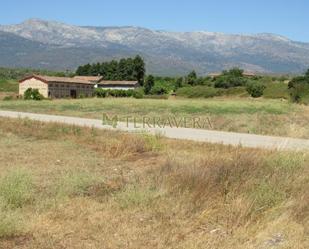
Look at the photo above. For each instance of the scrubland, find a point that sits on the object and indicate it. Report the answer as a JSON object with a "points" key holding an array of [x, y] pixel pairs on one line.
{"points": [[71, 187]]}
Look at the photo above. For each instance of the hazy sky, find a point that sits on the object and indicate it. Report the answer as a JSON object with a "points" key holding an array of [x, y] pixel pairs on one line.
{"points": [[285, 17]]}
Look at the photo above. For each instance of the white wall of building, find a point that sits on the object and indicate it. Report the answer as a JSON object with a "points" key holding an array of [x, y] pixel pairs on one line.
{"points": [[116, 87], [34, 84]]}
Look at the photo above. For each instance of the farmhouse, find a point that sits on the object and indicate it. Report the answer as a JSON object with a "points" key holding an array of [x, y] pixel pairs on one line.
{"points": [[66, 87], [57, 87]]}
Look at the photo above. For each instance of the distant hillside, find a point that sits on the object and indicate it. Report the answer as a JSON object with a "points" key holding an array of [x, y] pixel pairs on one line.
{"points": [[57, 46]]}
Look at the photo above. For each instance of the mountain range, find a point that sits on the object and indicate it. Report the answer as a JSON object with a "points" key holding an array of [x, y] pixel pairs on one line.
{"points": [[53, 45]]}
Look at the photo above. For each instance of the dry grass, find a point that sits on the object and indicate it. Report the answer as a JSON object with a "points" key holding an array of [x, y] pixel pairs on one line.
{"points": [[103, 189]]}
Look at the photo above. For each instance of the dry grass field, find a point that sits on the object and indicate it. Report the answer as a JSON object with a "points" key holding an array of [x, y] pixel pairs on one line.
{"points": [[70, 187], [258, 116]]}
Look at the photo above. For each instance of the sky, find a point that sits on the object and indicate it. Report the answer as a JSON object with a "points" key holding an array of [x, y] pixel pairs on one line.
{"points": [[289, 18]]}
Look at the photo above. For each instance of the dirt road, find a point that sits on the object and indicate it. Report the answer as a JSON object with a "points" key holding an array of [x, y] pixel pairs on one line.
{"points": [[228, 138]]}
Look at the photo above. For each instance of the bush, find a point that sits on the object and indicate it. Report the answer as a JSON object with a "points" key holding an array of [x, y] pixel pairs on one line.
{"points": [[33, 94], [197, 92], [159, 89], [149, 83], [229, 81], [255, 89], [299, 89], [138, 93], [118, 93], [300, 93], [231, 78], [7, 98], [100, 93]]}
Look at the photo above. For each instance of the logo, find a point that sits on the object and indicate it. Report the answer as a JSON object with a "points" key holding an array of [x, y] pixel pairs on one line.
{"points": [[157, 122]]}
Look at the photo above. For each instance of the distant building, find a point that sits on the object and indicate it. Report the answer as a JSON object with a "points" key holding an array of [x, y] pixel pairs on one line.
{"points": [[109, 84], [57, 87], [93, 79], [118, 85], [214, 75], [66, 87], [246, 74]]}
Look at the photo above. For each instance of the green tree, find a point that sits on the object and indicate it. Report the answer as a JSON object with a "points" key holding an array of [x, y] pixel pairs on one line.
{"points": [[192, 78], [139, 69], [84, 70], [234, 72], [178, 83], [149, 84], [231, 78], [125, 69], [299, 87]]}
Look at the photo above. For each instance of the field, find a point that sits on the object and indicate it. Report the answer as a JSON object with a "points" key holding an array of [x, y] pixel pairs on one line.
{"points": [[8, 85], [259, 116], [69, 187]]}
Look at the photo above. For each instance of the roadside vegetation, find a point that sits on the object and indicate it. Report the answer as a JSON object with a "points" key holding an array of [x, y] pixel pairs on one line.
{"points": [[71, 187], [257, 116]]}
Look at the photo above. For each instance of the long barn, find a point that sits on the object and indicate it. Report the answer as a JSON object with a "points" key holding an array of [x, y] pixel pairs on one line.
{"points": [[66, 87], [57, 87]]}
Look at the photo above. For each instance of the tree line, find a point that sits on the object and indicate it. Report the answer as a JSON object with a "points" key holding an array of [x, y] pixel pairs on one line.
{"points": [[124, 69]]}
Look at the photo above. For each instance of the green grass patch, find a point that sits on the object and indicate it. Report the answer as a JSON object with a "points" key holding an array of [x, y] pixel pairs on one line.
{"points": [[277, 90], [75, 184], [10, 223], [234, 91], [8, 85], [198, 92], [96, 107], [266, 195], [136, 196], [16, 188]]}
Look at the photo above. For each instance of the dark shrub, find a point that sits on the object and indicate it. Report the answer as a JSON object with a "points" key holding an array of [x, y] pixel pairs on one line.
{"points": [[100, 93], [118, 93], [300, 93], [33, 94], [138, 93], [299, 88], [159, 89], [255, 89], [231, 78], [7, 98]]}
